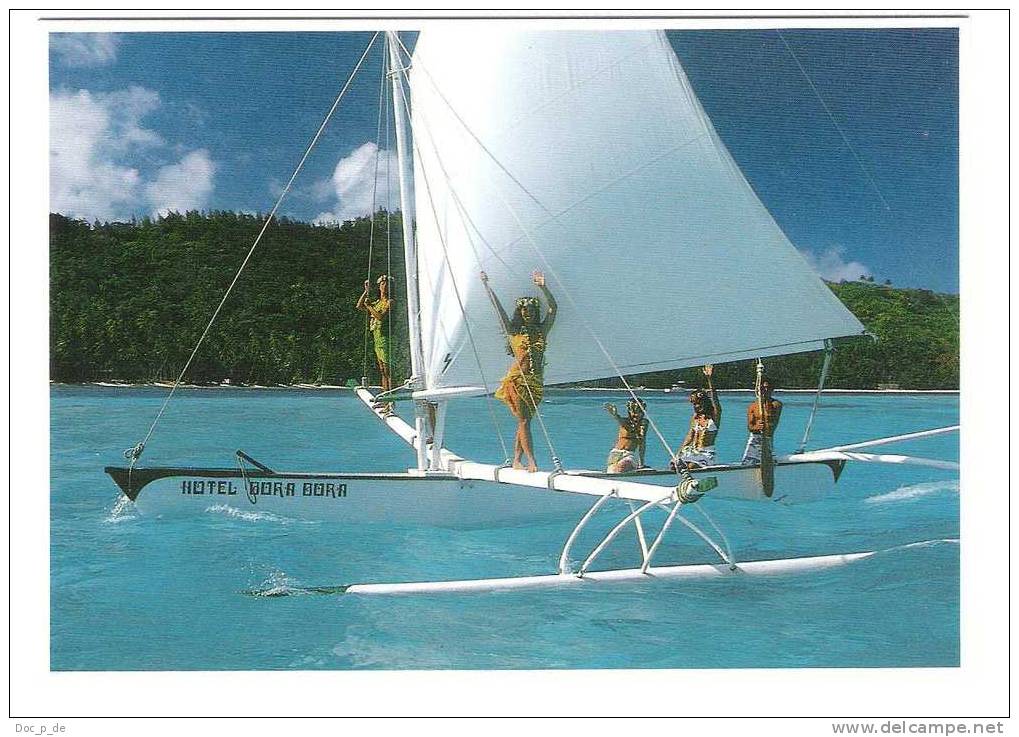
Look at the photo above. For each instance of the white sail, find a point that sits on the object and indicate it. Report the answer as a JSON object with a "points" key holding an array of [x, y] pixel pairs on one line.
{"points": [[588, 156]]}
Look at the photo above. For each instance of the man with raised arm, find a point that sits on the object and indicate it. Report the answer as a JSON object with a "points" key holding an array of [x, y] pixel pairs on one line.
{"points": [[762, 419]]}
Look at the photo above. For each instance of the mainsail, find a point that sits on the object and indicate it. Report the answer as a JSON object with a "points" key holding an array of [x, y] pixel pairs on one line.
{"points": [[588, 156]]}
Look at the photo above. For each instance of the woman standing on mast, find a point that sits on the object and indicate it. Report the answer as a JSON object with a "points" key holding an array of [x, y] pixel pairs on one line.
{"points": [[523, 386]]}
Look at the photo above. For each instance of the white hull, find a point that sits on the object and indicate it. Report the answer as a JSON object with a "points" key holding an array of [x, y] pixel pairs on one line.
{"points": [[435, 500], [432, 499], [468, 495]]}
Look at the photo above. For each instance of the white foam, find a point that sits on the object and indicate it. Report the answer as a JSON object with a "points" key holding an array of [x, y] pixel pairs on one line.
{"points": [[276, 584], [252, 516], [915, 491], [123, 509]]}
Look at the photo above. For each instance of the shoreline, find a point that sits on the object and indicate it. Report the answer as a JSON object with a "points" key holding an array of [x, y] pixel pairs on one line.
{"points": [[549, 389], [683, 390]]}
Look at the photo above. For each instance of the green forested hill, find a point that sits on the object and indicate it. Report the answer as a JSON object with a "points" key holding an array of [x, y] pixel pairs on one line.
{"points": [[129, 300], [916, 346]]}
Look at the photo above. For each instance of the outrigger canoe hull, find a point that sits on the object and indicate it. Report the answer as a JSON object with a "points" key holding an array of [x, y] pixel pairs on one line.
{"points": [[431, 499], [468, 495]]}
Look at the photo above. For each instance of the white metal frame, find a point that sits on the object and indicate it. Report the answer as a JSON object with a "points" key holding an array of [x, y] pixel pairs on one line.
{"points": [[604, 489], [647, 553]]}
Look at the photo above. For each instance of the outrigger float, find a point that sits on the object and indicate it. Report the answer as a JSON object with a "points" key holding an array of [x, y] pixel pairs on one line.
{"points": [[507, 177]]}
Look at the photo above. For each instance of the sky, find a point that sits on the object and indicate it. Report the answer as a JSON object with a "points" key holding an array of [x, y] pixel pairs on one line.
{"points": [[850, 137]]}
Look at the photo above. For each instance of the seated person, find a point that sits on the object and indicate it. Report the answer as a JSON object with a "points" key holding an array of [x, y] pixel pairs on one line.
{"points": [[628, 453], [760, 424], [698, 447]]}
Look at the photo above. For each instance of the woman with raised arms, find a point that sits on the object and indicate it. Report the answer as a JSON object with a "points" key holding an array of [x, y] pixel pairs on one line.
{"points": [[526, 340]]}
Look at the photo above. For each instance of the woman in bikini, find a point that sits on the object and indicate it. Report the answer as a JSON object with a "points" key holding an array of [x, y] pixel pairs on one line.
{"points": [[698, 447], [628, 453], [522, 387]]}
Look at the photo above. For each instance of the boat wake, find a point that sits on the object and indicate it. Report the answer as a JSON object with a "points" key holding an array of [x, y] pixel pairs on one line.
{"points": [[277, 585], [915, 491], [229, 511], [123, 510], [924, 544]]}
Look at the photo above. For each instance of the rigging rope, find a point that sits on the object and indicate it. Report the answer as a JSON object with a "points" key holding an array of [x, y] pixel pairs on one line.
{"points": [[466, 218], [459, 299], [417, 62], [135, 453], [831, 116], [467, 325], [389, 193], [371, 227], [681, 471], [825, 365]]}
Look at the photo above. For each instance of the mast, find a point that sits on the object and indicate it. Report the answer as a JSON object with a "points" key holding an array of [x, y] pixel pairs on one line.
{"points": [[409, 245]]}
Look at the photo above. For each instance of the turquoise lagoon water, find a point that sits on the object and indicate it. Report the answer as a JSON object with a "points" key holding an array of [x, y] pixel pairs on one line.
{"points": [[136, 593]]}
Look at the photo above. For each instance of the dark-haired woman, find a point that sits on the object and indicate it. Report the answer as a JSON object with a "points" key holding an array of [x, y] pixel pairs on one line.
{"points": [[526, 340], [377, 311], [628, 453], [698, 447]]}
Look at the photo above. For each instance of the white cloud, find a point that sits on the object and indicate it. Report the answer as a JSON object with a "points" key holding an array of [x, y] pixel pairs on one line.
{"points": [[86, 133], [831, 265], [98, 145], [183, 186], [353, 181], [84, 49]]}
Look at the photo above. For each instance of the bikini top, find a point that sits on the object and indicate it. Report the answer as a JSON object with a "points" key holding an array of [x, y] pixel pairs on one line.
{"points": [[701, 426]]}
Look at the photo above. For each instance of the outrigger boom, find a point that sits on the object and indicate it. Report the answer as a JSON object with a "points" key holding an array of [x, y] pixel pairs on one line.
{"points": [[739, 480], [598, 483]]}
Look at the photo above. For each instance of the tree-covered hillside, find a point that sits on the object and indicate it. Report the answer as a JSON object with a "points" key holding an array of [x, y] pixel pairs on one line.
{"points": [[128, 301], [915, 345]]}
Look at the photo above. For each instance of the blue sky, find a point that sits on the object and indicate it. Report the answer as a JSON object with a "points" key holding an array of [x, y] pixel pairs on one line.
{"points": [[148, 122]]}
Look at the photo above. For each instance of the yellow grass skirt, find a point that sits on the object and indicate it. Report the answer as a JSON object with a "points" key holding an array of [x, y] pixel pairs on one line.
{"points": [[521, 390]]}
